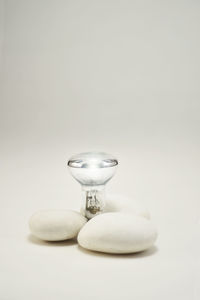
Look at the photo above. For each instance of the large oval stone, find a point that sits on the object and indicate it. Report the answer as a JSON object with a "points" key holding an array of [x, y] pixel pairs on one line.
{"points": [[125, 204], [56, 225], [117, 233]]}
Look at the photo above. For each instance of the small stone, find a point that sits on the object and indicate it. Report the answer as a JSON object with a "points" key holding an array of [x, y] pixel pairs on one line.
{"points": [[117, 233], [56, 225], [121, 203]]}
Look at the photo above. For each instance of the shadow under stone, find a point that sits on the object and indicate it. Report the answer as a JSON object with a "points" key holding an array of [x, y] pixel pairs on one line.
{"points": [[33, 240], [146, 253]]}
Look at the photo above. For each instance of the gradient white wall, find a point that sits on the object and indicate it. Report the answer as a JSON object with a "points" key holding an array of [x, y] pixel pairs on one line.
{"points": [[124, 70], [118, 76]]}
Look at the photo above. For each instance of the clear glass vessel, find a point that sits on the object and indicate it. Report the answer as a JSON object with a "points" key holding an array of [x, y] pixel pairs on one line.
{"points": [[93, 170]]}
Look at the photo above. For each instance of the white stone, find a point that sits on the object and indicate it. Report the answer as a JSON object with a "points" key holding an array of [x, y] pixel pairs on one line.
{"points": [[117, 233], [56, 225], [121, 203]]}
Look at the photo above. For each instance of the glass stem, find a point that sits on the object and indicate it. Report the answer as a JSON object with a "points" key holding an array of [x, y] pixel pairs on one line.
{"points": [[94, 201]]}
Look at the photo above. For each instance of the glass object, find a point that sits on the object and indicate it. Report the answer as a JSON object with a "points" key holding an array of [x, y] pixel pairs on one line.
{"points": [[93, 170]]}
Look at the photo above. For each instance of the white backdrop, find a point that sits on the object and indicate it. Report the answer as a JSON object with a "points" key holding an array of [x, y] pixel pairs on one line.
{"points": [[115, 76]]}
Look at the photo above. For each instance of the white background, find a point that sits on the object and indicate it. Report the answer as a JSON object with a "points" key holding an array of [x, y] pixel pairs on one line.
{"points": [[115, 76]]}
